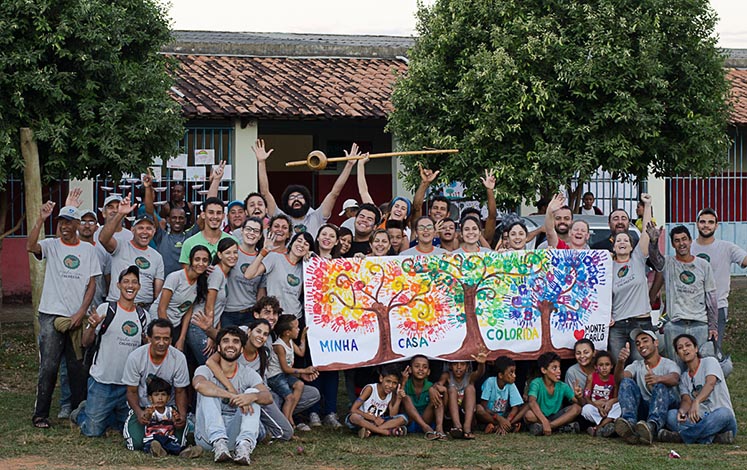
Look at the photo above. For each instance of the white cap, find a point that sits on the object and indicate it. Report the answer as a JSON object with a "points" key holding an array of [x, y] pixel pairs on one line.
{"points": [[348, 204], [111, 199]]}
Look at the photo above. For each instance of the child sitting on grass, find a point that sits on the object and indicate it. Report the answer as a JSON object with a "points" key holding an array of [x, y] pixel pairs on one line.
{"points": [[462, 396], [500, 400], [376, 410], [281, 376], [545, 413], [600, 397], [159, 439], [425, 401]]}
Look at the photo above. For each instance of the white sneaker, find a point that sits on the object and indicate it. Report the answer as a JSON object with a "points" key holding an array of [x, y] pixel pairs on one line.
{"points": [[303, 427], [314, 420], [65, 411], [332, 421], [243, 453], [220, 451]]}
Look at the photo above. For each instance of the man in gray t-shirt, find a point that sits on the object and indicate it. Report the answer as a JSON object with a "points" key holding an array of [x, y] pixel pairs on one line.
{"points": [[647, 389], [721, 255], [158, 358], [69, 286]]}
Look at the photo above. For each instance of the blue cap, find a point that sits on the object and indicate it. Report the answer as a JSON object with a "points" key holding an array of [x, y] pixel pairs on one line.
{"points": [[235, 203]]}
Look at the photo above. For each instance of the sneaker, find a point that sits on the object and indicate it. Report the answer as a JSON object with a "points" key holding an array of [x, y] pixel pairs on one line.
{"points": [[646, 431], [64, 412], [332, 421], [314, 420], [191, 452], [535, 429], [156, 450], [244, 451], [724, 438], [220, 451], [607, 430], [74, 414], [665, 435], [570, 428], [625, 429], [303, 427]]}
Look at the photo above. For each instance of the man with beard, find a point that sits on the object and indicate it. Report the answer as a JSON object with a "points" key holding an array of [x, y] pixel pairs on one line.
{"points": [[69, 285], [224, 419], [177, 200], [161, 359], [647, 390], [721, 255], [619, 221], [296, 199], [211, 233], [255, 205], [562, 218], [366, 221]]}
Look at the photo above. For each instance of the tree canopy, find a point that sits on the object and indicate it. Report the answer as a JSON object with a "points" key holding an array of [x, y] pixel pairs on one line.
{"points": [[542, 90], [87, 78]]}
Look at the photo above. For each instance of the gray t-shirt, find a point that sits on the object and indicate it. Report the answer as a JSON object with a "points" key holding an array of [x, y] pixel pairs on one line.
{"points": [[66, 277], [123, 336], [639, 371], [172, 369], [721, 255], [719, 397], [460, 250], [414, 251], [686, 288], [285, 281], [630, 287], [309, 223], [182, 297], [169, 245], [151, 268], [216, 281], [244, 378], [575, 375], [242, 292]]}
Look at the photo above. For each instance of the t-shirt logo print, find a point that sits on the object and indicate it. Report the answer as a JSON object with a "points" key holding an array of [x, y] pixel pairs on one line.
{"points": [[687, 277], [129, 328], [142, 263], [704, 256], [293, 280], [622, 272], [71, 262], [243, 267], [185, 306]]}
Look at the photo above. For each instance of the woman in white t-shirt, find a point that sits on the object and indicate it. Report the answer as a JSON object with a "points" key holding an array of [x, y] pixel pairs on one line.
{"points": [[471, 233]]}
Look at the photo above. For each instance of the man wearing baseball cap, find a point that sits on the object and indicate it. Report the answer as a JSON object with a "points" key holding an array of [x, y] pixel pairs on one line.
{"points": [[134, 252], [647, 389], [349, 210], [69, 285]]}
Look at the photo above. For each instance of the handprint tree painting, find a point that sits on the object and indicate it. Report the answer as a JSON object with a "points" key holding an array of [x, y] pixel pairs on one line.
{"points": [[376, 310]]}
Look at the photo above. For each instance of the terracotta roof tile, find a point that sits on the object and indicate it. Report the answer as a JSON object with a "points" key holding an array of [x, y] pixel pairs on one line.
{"points": [[738, 80], [271, 87]]}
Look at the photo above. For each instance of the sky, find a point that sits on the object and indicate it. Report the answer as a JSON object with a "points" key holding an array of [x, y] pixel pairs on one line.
{"points": [[378, 17]]}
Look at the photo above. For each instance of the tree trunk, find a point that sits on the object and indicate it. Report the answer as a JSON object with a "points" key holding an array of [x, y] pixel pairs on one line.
{"points": [[33, 199], [574, 195], [385, 337], [546, 309], [473, 341]]}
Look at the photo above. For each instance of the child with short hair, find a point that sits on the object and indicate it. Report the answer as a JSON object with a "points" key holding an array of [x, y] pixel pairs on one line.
{"points": [[600, 397], [376, 410], [462, 396], [159, 439], [424, 401], [281, 376], [500, 400], [544, 412]]}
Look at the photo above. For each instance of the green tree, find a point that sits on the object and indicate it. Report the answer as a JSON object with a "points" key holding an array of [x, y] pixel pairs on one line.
{"points": [[87, 78], [542, 90]]}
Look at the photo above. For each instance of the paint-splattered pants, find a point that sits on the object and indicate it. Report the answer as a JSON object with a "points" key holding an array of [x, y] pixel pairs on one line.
{"points": [[634, 407]]}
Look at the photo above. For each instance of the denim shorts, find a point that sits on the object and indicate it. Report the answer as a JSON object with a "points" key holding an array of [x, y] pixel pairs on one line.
{"points": [[282, 384]]}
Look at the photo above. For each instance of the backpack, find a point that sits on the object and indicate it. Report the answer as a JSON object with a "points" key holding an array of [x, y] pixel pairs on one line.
{"points": [[91, 352]]}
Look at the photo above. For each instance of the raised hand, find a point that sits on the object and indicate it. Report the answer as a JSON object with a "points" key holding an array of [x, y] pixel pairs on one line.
{"points": [[147, 179], [556, 203], [646, 199], [46, 210], [653, 232], [577, 390], [427, 175], [259, 150], [481, 356], [218, 171], [125, 206], [73, 197], [624, 353], [488, 181], [354, 151]]}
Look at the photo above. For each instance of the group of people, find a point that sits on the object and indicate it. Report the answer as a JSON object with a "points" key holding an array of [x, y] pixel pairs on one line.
{"points": [[194, 321]]}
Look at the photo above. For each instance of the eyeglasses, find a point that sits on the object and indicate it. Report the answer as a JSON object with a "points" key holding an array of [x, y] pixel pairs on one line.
{"points": [[88, 222], [293, 197], [252, 230], [425, 227]]}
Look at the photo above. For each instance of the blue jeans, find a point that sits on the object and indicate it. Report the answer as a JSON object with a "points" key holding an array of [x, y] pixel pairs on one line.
{"points": [[212, 425], [723, 315], [327, 384], [718, 421], [634, 407], [64, 386], [53, 346], [673, 329], [169, 443], [620, 334], [196, 342], [236, 318], [106, 407]]}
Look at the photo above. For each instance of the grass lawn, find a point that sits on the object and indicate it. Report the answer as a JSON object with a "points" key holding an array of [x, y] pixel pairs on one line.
{"points": [[23, 447]]}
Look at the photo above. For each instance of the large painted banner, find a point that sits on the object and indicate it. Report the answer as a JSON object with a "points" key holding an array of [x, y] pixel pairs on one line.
{"points": [[520, 304]]}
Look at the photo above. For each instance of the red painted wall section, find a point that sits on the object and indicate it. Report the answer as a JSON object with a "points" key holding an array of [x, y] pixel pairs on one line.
{"points": [[14, 264]]}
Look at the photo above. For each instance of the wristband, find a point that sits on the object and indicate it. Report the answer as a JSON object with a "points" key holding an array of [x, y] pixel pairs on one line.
{"points": [[264, 252]]}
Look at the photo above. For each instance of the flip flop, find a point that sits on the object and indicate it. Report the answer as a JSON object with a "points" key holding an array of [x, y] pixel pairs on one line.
{"points": [[432, 436], [399, 431], [40, 422], [442, 436], [468, 435], [456, 433]]}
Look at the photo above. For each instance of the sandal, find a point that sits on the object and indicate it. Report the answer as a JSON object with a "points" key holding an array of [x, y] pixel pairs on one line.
{"points": [[364, 433], [442, 437], [432, 436], [456, 433], [468, 435], [399, 431], [40, 422]]}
